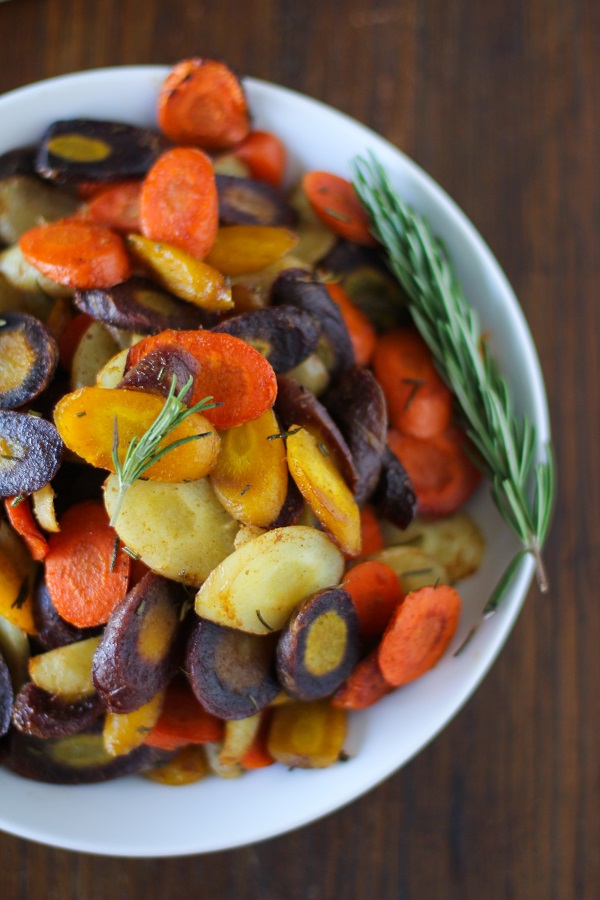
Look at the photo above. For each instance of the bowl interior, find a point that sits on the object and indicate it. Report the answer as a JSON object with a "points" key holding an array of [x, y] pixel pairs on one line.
{"points": [[136, 817]]}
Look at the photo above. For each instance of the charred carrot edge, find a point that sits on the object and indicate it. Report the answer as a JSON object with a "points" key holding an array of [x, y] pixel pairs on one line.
{"points": [[202, 102], [365, 686], [335, 202], [179, 203], [376, 593], [362, 334], [419, 633], [87, 572], [77, 253], [265, 156], [442, 473], [183, 720], [419, 403], [21, 519]]}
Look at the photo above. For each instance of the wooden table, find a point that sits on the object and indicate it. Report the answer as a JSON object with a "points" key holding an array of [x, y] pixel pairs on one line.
{"points": [[498, 101]]}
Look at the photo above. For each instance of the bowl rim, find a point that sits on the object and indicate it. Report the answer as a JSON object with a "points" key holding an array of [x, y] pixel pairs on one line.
{"points": [[259, 88]]}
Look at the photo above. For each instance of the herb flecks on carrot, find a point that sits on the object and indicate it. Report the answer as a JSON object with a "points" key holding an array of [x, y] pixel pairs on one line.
{"points": [[77, 253], [85, 579], [335, 202], [202, 102], [179, 203], [419, 633]]}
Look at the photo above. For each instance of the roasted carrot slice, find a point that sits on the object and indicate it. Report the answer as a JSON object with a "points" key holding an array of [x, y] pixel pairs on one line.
{"points": [[441, 472], [243, 249], [117, 206], [370, 531], [202, 102], [325, 491], [85, 577], [232, 372], [419, 633], [419, 403], [77, 253], [376, 592], [335, 202], [265, 156], [183, 720], [257, 756], [179, 203], [365, 686], [362, 334], [21, 519]]}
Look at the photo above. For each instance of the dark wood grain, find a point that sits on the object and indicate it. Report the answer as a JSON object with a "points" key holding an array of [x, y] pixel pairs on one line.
{"points": [[498, 101]]}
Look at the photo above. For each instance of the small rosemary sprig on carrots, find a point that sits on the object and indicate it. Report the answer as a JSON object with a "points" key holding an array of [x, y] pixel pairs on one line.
{"points": [[505, 444], [143, 452]]}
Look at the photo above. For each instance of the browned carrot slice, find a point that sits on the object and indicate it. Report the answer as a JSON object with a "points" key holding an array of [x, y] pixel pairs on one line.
{"points": [[231, 371], [117, 206], [336, 204], [365, 686], [376, 592], [441, 472], [202, 102], [179, 203], [265, 156], [86, 579], [419, 633], [76, 253], [419, 403], [183, 720], [21, 519]]}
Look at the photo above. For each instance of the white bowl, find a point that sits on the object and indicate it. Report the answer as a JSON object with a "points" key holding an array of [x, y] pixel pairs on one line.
{"points": [[136, 817]]}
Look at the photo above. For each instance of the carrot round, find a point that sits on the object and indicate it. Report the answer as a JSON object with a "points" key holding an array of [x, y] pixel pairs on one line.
{"points": [[202, 102], [419, 403], [364, 687], [362, 334], [442, 474], [21, 519], [335, 202], [265, 156], [77, 253], [231, 371], [117, 206], [370, 531], [375, 592], [419, 633], [183, 721], [179, 203], [86, 578]]}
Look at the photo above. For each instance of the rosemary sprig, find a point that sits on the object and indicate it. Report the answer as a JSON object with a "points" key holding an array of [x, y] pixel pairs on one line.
{"points": [[504, 443], [143, 452]]}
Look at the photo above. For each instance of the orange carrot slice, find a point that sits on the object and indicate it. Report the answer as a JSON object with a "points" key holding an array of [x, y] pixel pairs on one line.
{"points": [[77, 253], [419, 403], [335, 202], [117, 206], [183, 721], [202, 102], [265, 156], [442, 474], [365, 686], [21, 519], [362, 334], [179, 203], [85, 577], [232, 372], [370, 532], [376, 592], [419, 633]]}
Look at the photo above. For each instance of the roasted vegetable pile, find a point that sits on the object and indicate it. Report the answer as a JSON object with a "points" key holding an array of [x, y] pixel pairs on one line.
{"points": [[231, 476]]}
